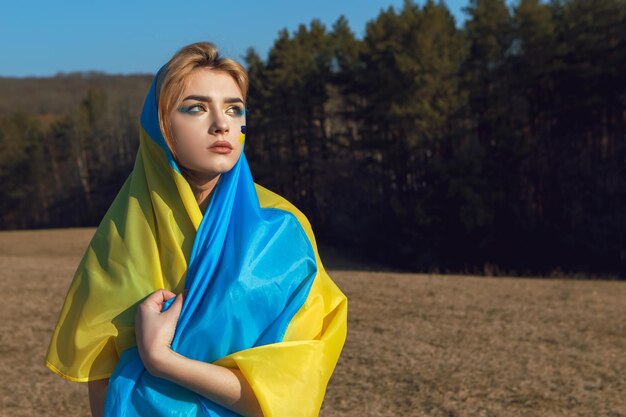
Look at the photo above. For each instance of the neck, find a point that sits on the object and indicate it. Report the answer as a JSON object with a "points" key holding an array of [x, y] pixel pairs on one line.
{"points": [[202, 189]]}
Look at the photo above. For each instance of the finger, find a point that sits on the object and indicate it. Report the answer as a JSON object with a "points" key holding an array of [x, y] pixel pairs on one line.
{"points": [[156, 300], [161, 296], [176, 306], [167, 294]]}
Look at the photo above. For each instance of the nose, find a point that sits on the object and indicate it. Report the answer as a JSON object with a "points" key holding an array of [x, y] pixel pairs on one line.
{"points": [[219, 125]]}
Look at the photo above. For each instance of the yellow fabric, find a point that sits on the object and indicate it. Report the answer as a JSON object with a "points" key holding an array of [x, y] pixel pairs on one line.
{"points": [[311, 346], [96, 323]]}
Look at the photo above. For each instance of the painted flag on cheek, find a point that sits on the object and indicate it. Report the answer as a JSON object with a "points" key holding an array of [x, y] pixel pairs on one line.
{"points": [[242, 135], [259, 299]]}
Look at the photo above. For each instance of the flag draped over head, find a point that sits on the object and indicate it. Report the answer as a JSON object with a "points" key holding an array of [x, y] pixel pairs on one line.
{"points": [[258, 299]]}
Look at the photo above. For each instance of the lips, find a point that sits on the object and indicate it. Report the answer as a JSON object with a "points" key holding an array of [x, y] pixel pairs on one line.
{"points": [[221, 147], [221, 144]]}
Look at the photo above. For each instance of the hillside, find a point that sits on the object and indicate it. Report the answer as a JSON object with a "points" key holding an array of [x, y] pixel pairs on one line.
{"points": [[62, 93]]}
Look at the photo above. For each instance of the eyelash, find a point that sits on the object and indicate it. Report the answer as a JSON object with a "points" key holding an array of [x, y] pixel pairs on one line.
{"points": [[188, 109], [237, 110]]}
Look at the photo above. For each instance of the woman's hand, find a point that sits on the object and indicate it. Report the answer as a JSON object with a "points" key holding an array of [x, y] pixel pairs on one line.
{"points": [[155, 329]]}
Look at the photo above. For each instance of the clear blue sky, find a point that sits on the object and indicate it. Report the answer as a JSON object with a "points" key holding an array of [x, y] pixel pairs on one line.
{"points": [[43, 37]]}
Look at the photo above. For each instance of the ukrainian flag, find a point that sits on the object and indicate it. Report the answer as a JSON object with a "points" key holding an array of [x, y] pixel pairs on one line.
{"points": [[259, 299]]}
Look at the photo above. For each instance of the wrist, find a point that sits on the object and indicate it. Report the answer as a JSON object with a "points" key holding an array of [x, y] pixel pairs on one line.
{"points": [[158, 362]]}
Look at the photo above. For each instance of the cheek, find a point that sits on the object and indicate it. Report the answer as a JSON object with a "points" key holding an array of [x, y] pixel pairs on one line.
{"points": [[186, 136], [241, 132], [237, 148]]}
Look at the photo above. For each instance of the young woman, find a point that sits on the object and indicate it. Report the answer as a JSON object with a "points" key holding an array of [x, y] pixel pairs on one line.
{"points": [[201, 293]]}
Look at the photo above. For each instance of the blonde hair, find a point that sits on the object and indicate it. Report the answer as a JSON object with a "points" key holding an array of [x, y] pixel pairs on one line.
{"points": [[174, 77]]}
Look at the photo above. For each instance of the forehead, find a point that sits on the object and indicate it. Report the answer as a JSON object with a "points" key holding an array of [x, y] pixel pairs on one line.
{"points": [[212, 83]]}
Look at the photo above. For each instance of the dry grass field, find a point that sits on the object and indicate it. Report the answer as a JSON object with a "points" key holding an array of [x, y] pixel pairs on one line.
{"points": [[418, 345]]}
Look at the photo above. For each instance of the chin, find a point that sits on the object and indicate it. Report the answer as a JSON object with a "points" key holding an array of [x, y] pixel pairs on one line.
{"points": [[214, 168], [220, 169]]}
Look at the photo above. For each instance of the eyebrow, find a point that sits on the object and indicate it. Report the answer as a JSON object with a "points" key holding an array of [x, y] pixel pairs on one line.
{"points": [[208, 99]]}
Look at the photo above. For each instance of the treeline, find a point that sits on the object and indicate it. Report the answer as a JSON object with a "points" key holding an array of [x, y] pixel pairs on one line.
{"points": [[68, 143], [496, 147]]}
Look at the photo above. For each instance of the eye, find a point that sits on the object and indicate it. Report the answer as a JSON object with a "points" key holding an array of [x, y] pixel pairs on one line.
{"points": [[236, 111], [192, 109]]}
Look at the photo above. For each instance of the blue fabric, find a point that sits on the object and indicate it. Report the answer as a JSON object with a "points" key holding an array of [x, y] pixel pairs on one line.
{"points": [[150, 121], [250, 271]]}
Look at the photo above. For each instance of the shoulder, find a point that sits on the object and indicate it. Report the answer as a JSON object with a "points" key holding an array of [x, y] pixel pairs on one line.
{"points": [[270, 200]]}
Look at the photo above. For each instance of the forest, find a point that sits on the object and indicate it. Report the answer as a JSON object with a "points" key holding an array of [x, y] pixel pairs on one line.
{"points": [[495, 147]]}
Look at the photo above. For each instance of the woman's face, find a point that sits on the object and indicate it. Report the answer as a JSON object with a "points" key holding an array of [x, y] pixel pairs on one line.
{"points": [[206, 126]]}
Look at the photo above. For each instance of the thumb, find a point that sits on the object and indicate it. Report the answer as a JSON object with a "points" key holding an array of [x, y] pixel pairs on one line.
{"points": [[176, 307]]}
